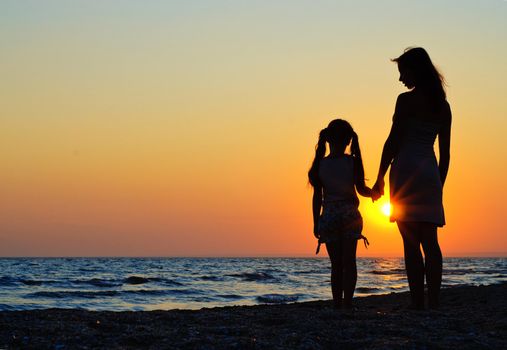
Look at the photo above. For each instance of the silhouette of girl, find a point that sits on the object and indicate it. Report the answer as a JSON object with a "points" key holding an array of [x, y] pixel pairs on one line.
{"points": [[335, 179], [416, 179]]}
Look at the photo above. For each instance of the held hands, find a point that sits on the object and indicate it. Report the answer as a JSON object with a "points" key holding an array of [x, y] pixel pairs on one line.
{"points": [[375, 195], [378, 189]]}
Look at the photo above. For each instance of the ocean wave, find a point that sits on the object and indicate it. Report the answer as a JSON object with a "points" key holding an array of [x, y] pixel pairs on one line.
{"points": [[102, 294], [367, 289], [11, 281], [230, 296], [211, 278], [8, 281], [97, 282], [253, 276], [5, 307], [32, 282], [142, 280], [456, 284], [312, 272], [73, 294], [458, 272], [276, 298], [166, 281], [398, 287], [380, 272], [490, 271], [89, 269], [186, 291], [204, 299], [145, 292], [135, 280], [471, 271], [387, 272]]}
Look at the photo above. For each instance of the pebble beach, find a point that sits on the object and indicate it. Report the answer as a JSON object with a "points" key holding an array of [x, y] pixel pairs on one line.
{"points": [[471, 317]]}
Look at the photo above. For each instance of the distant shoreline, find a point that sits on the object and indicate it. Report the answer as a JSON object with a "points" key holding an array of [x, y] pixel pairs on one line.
{"points": [[470, 317]]}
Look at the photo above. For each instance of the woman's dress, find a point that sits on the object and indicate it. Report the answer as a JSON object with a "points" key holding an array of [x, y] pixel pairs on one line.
{"points": [[415, 186]]}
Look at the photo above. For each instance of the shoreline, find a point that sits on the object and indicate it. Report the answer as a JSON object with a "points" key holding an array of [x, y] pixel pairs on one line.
{"points": [[470, 317]]}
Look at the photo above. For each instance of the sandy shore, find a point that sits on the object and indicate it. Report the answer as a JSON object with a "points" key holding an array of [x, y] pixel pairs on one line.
{"points": [[470, 318]]}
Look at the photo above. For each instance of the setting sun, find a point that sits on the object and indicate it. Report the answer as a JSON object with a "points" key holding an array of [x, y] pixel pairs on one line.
{"points": [[387, 209]]}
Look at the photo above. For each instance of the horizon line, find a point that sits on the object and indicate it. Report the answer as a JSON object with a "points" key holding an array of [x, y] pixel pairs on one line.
{"points": [[471, 255]]}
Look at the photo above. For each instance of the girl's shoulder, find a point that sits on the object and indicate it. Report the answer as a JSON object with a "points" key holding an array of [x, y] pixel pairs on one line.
{"points": [[344, 156], [339, 161]]}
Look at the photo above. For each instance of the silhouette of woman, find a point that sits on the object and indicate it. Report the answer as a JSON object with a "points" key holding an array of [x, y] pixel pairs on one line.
{"points": [[416, 179]]}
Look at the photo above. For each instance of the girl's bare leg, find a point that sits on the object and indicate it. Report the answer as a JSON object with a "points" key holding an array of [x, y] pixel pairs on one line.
{"points": [[334, 252], [349, 247]]}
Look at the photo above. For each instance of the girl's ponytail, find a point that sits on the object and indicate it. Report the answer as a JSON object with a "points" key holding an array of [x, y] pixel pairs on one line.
{"points": [[356, 153], [320, 152]]}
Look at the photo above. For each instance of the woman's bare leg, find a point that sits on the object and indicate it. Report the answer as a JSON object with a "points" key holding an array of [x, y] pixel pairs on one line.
{"points": [[334, 252], [414, 262], [349, 247], [433, 262]]}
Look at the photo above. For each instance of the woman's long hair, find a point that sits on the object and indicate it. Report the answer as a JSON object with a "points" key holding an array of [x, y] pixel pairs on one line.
{"points": [[339, 132], [427, 77]]}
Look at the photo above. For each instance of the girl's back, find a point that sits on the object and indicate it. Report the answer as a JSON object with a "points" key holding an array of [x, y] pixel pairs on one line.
{"points": [[336, 175]]}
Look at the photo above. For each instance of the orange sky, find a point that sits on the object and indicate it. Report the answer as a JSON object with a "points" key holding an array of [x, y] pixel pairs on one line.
{"points": [[129, 129]]}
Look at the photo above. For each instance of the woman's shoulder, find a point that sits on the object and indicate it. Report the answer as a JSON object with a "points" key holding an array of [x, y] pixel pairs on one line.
{"points": [[403, 104], [447, 109], [414, 105], [445, 115], [405, 97], [407, 100]]}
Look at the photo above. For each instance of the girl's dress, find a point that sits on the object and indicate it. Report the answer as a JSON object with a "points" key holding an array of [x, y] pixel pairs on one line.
{"points": [[415, 186], [340, 217]]}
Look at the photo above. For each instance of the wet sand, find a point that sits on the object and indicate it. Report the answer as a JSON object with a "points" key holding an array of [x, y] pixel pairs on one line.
{"points": [[470, 318]]}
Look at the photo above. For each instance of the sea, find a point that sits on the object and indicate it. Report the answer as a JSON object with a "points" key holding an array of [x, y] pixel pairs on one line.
{"points": [[121, 284]]}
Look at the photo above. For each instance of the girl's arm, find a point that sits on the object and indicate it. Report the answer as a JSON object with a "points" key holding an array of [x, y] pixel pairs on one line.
{"points": [[390, 146], [357, 158], [444, 145], [316, 206], [361, 187]]}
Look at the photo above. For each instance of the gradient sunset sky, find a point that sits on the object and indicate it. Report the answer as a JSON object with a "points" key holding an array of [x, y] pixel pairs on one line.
{"points": [[186, 128]]}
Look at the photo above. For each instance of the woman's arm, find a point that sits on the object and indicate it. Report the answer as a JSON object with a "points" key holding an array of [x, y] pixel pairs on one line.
{"points": [[390, 146], [316, 206], [444, 145]]}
